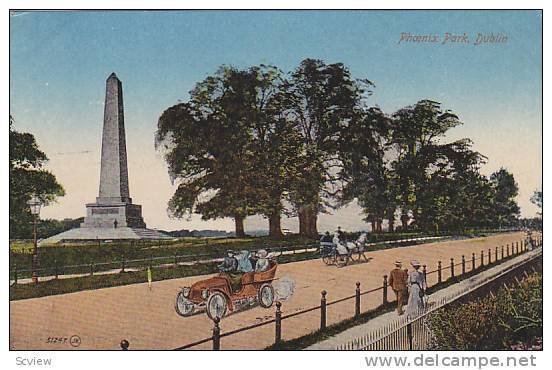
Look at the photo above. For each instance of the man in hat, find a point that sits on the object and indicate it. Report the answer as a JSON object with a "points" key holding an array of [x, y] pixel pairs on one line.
{"points": [[398, 280], [230, 263]]}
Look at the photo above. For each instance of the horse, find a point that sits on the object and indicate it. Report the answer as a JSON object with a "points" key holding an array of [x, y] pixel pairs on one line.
{"points": [[357, 247]]}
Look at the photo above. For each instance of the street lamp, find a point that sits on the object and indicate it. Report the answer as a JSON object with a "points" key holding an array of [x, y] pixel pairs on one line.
{"points": [[34, 205]]}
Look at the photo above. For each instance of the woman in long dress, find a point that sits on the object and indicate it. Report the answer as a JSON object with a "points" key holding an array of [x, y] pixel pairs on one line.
{"points": [[417, 284]]}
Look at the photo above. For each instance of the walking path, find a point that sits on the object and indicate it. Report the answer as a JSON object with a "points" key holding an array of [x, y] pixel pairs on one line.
{"points": [[381, 322]]}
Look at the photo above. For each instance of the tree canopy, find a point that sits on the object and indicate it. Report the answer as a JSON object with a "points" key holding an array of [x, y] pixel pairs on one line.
{"points": [[27, 178]]}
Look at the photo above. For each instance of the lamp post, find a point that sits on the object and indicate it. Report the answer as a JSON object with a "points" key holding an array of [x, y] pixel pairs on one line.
{"points": [[34, 205]]}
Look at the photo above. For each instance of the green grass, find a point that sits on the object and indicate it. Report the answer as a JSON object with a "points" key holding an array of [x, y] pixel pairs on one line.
{"points": [[71, 285]]}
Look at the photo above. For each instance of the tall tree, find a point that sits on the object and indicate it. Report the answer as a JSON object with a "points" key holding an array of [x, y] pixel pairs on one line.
{"points": [[505, 191], [27, 177], [366, 174], [322, 100], [230, 147], [417, 131], [205, 142], [536, 199]]}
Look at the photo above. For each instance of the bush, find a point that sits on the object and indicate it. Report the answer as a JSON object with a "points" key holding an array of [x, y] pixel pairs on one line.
{"points": [[510, 319]]}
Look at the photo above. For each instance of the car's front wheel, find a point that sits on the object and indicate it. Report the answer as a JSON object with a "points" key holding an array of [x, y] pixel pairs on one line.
{"points": [[217, 305], [266, 295], [183, 306]]}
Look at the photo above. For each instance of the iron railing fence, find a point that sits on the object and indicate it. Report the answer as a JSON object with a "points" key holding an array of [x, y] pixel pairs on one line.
{"points": [[516, 249], [414, 332]]}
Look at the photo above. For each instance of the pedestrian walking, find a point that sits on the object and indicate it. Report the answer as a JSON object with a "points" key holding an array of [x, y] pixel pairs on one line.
{"points": [[398, 280], [417, 286]]}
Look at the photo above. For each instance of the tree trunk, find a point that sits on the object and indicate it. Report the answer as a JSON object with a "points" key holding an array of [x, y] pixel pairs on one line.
{"points": [[274, 225], [302, 214], [373, 224], [307, 221], [378, 225], [240, 233], [404, 221], [313, 218], [391, 220]]}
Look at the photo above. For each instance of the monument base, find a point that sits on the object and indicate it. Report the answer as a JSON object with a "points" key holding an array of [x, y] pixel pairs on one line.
{"points": [[113, 215], [102, 233]]}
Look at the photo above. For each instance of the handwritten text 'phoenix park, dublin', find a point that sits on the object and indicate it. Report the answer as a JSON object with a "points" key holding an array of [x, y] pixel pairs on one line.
{"points": [[454, 39]]}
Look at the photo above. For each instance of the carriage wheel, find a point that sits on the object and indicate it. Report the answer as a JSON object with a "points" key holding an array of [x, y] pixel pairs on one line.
{"points": [[183, 306], [328, 260], [266, 295], [342, 260], [216, 305]]}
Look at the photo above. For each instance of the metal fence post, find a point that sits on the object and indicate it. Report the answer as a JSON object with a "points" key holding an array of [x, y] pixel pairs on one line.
{"points": [[424, 269], [473, 261], [463, 265], [323, 311], [357, 299], [517, 248], [91, 268], [507, 250], [496, 254], [216, 335], [439, 272], [278, 322], [452, 268], [409, 335], [489, 255], [502, 252], [124, 345], [384, 289]]}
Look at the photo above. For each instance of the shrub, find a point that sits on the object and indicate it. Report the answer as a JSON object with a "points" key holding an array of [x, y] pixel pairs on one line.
{"points": [[510, 319]]}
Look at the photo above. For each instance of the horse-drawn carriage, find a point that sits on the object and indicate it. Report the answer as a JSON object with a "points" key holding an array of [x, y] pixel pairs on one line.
{"points": [[220, 294], [341, 253]]}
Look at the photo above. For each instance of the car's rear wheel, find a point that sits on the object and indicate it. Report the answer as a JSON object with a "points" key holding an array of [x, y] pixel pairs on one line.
{"points": [[266, 295], [183, 306], [217, 305]]}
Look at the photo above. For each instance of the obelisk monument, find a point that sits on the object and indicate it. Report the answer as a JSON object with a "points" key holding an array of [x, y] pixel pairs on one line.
{"points": [[113, 207], [112, 216]]}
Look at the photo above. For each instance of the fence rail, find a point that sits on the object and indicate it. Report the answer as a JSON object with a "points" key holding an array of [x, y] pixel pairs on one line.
{"points": [[522, 247], [123, 264]]}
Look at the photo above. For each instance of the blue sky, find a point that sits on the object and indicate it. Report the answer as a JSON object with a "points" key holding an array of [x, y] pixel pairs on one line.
{"points": [[60, 60]]}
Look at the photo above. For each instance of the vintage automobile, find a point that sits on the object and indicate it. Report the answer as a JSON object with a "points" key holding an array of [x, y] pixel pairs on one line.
{"points": [[218, 295]]}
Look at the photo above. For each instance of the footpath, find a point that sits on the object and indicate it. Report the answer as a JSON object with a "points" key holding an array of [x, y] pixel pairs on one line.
{"points": [[378, 323]]}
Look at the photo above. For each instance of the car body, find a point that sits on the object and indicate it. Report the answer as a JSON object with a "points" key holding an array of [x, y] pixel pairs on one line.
{"points": [[217, 296]]}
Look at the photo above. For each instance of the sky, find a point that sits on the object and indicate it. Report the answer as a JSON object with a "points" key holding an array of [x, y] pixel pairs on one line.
{"points": [[59, 62]]}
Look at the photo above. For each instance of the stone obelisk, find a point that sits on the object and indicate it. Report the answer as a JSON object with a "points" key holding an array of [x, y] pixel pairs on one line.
{"points": [[112, 216], [113, 207], [114, 171]]}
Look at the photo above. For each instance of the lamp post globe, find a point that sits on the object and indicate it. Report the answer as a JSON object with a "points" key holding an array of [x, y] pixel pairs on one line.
{"points": [[34, 205]]}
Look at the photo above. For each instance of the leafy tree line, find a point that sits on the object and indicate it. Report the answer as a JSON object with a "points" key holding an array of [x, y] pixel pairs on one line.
{"points": [[260, 141], [27, 177]]}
